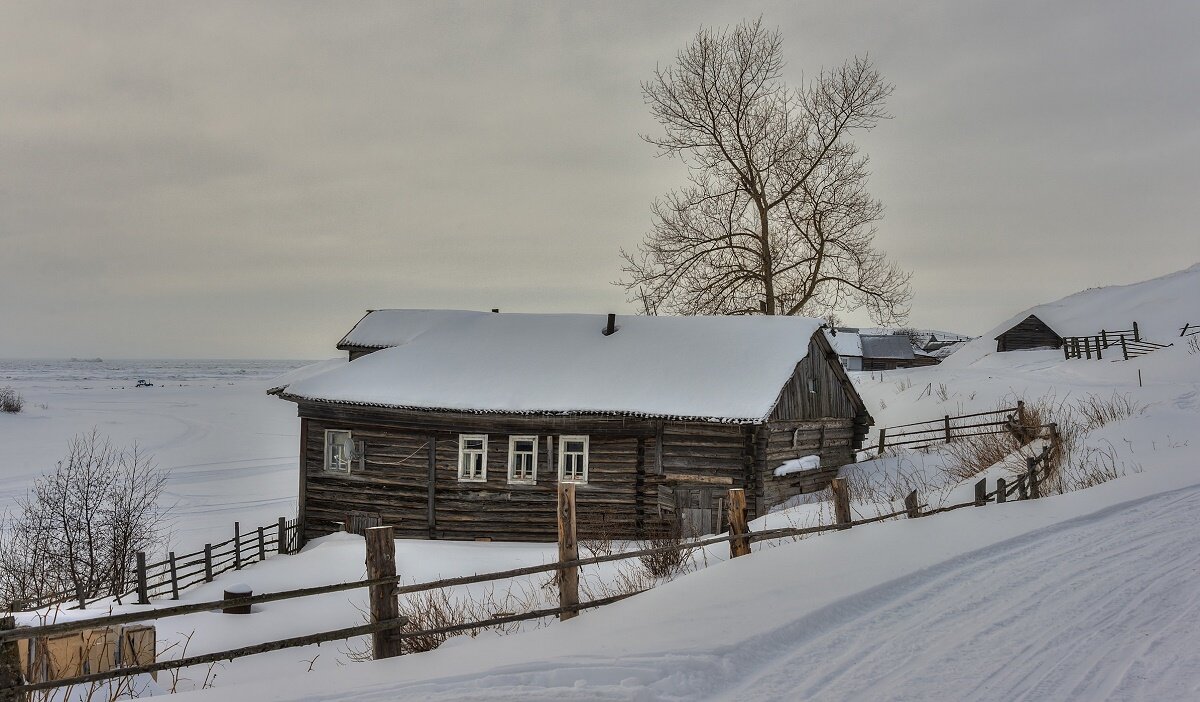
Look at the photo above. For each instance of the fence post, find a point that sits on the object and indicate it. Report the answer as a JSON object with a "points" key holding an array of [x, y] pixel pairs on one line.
{"points": [[1124, 349], [1066, 351], [1001, 489], [208, 574], [262, 545], [737, 523], [1034, 491], [1104, 337], [10, 665], [947, 420], [841, 503], [174, 576], [1022, 490], [384, 606], [1099, 351], [1137, 336], [237, 546], [1087, 347], [882, 441], [913, 505], [281, 546], [143, 597], [568, 550], [981, 493]]}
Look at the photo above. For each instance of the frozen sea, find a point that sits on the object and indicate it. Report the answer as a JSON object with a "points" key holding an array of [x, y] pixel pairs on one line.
{"points": [[230, 448]]}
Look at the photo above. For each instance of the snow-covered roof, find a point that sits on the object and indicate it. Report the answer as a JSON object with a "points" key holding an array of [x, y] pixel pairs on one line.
{"points": [[889, 346], [712, 368], [845, 343], [380, 329]]}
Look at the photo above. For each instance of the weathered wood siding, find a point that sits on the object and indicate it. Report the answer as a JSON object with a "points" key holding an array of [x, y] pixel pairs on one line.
{"points": [[819, 413], [626, 467], [1031, 333]]}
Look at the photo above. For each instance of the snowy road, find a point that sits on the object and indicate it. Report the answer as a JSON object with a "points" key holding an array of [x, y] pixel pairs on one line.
{"points": [[1102, 606]]}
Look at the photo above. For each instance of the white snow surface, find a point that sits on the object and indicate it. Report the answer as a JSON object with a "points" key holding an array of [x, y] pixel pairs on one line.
{"points": [[384, 328], [721, 368], [797, 465], [845, 343]]}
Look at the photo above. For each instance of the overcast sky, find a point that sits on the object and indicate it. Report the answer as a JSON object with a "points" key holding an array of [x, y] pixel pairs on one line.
{"points": [[200, 179]]}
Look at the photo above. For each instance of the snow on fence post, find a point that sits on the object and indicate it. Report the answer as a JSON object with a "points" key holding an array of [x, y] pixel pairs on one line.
{"points": [[174, 576], [568, 550], [841, 503], [262, 544], [737, 523], [981, 493], [913, 504], [384, 605], [237, 546], [208, 574], [143, 596], [10, 665], [1034, 490], [1001, 489], [281, 546]]}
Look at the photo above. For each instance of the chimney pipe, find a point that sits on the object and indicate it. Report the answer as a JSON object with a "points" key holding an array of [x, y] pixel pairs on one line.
{"points": [[612, 324]]}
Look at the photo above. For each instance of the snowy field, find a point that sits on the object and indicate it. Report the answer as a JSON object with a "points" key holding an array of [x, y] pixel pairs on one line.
{"points": [[230, 449], [1088, 595]]}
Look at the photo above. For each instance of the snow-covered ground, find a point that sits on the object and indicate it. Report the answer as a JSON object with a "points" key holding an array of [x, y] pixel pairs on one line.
{"points": [[1088, 595]]}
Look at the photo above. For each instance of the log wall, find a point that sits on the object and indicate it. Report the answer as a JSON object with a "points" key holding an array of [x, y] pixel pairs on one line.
{"points": [[1031, 333]]}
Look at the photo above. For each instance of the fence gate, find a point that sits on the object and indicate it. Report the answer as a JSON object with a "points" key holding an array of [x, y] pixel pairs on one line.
{"points": [[359, 522], [700, 510]]}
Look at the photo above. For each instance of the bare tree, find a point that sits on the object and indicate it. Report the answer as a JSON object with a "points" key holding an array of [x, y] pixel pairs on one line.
{"points": [[776, 218], [78, 531]]}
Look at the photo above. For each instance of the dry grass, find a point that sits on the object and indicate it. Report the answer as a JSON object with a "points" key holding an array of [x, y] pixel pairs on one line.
{"points": [[674, 561], [10, 400], [1193, 345]]}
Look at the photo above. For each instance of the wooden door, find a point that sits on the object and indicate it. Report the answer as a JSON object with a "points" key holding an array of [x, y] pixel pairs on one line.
{"points": [[700, 510]]}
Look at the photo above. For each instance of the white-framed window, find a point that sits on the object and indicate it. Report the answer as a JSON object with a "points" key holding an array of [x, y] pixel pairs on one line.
{"points": [[472, 457], [339, 450], [522, 459], [573, 459]]}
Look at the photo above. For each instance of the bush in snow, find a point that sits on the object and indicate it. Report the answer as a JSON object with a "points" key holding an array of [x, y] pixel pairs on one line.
{"points": [[77, 533], [674, 558], [10, 401]]}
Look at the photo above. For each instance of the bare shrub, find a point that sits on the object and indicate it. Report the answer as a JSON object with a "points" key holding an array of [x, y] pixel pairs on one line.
{"points": [[1087, 467], [1096, 411], [943, 393], [1193, 345], [599, 533], [444, 607], [904, 384], [675, 557], [10, 400], [78, 531]]}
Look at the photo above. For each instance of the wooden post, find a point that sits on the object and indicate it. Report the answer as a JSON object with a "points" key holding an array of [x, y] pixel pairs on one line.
{"points": [[1034, 489], [174, 576], [281, 546], [384, 606], [262, 545], [79, 597], [882, 440], [737, 523], [1104, 337], [1087, 347], [947, 420], [1001, 489], [143, 597], [841, 503], [431, 488], [1067, 351], [237, 546], [913, 504], [208, 574], [1124, 349], [1022, 489], [981, 493], [1137, 336], [568, 550], [1099, 350], [10, 665]]}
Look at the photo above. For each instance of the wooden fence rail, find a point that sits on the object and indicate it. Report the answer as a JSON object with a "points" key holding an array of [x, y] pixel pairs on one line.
{"points": [[1195, 329], [386, 587], [945, 429], [1128, 341]]}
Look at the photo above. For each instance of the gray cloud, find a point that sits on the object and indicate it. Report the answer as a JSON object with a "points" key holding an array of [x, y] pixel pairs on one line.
{"points": [[236, 179]]}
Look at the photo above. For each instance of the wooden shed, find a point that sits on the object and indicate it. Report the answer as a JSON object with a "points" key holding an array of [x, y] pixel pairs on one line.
{"points": [[1029, 333], [461, 425]]}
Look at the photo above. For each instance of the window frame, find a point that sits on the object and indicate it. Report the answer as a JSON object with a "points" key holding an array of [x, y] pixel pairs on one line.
{"points": [[562, 454], [531, 479], [328, 452], [463, 452]]}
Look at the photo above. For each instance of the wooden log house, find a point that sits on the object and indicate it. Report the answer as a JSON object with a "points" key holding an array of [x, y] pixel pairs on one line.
{"points": [[460, 425], [1029, 333]]}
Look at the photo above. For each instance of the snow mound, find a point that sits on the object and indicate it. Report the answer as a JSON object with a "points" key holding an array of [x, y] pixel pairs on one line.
{"points": [[797, 465]]}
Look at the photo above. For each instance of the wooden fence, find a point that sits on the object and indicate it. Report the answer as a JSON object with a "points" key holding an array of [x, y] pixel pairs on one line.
{"points": [[1128, 341], [180, 571], [1194, 330], [920, 435], [384, 586]]}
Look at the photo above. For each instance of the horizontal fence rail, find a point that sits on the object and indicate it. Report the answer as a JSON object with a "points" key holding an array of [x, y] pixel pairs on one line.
{"points": [[920, 435], [1195, 329], [1128, 342]]}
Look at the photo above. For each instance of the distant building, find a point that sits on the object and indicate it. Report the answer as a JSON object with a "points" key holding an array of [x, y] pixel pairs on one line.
{"points": [[848, 345], [1029, 333], [887, 352]]}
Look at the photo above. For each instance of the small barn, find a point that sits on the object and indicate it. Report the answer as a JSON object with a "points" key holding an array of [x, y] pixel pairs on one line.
{"points": [[886, 352], [1029, 333], [460, 425]]}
